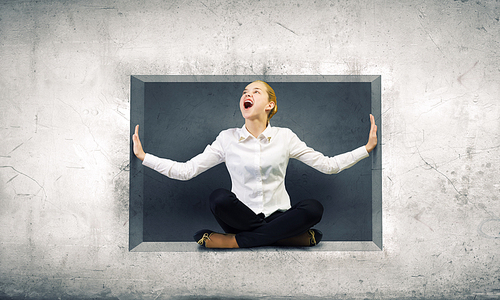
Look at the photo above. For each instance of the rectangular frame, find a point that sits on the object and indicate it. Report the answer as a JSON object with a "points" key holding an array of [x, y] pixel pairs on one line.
{"points": [[137, 90]]}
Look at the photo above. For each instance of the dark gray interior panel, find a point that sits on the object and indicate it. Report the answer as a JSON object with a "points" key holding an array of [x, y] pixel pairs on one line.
{"points": [[180, 115]]}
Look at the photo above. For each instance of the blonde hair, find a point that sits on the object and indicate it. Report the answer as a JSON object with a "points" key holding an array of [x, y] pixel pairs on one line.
{"points": [[272, 98]]}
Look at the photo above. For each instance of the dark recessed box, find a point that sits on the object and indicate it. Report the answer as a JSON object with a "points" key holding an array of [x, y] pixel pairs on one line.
{"points": [[180, 115]]}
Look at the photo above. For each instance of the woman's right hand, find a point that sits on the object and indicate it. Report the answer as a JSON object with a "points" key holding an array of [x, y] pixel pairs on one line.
{"points": [[137, 145], [372, 138]]}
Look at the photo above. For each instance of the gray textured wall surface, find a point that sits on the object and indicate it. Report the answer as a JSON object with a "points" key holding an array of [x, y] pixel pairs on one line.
{"points": [[65, 71]]}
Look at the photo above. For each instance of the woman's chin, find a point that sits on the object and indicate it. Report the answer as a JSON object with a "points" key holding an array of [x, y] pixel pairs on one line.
{"points": [[246, 114], [250, 115]]}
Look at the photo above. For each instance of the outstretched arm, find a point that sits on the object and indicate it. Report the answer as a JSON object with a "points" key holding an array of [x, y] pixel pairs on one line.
{"points": [[138, 151], [372, 138], [335, 164], [211, 156]]}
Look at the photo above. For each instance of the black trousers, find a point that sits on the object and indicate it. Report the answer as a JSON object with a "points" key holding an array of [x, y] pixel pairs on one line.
{"points": [[254, 230]]}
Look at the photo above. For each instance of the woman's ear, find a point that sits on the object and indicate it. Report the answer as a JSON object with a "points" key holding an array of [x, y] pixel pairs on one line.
{"points": [[270, 106]]}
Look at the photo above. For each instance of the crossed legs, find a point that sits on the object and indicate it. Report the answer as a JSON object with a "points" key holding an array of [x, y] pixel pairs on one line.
{"points": [[246, 229]]}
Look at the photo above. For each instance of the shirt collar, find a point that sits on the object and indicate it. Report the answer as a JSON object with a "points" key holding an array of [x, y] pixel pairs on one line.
{"points": [[244, 134], [266, 134]]}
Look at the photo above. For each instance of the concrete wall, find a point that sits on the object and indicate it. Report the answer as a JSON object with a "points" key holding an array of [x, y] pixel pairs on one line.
{"points": [[65, 69]]}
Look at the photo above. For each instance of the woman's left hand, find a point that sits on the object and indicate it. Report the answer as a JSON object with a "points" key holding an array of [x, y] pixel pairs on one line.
{"points": [[138, 151], [372, 138]]}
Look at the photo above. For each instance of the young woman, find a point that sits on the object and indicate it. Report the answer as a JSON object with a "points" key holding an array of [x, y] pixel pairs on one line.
{"points": [[257, 210]]}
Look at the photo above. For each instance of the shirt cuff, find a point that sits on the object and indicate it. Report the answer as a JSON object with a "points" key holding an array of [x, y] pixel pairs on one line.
{"points": [[150, 161], [359, 153]]}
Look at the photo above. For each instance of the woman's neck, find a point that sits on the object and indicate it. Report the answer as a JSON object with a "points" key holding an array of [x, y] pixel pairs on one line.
{"points": [[255, 127]]}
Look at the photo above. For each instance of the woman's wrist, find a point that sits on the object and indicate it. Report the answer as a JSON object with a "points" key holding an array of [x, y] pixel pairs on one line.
{"points": [[141, 155]]}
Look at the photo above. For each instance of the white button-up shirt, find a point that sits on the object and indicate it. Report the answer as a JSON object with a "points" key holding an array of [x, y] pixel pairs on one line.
{"points": [[257, 166]]}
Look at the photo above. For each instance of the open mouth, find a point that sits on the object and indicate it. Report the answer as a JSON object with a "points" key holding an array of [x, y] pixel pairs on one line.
{"points": [[248, 103]]}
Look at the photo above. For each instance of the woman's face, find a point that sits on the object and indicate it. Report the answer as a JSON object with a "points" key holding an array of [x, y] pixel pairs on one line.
{"points": [[254, 102]]}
